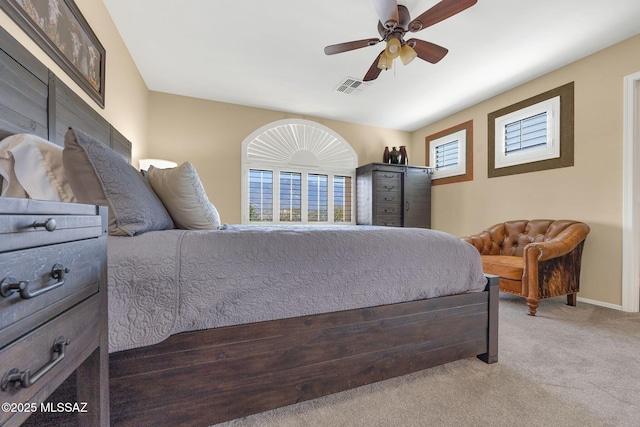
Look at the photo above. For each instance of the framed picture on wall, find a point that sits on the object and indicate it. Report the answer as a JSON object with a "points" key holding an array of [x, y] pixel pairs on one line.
{"points": [[59, 28]]}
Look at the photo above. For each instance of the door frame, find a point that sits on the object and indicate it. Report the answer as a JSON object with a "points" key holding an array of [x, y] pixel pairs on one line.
{"points": [[631, 195]]}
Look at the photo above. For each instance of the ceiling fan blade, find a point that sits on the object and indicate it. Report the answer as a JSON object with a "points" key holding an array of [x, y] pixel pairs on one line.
{"points": [[345, 47], [441, 11], [374, 71], [428, 51], [387, 11]]}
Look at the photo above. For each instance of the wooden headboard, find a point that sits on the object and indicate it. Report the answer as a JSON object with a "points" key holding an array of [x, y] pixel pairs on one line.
{"points": [[33, 100]]}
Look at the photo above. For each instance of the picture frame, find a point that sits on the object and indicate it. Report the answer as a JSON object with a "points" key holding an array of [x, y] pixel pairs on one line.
{"points": [[60, 30]]}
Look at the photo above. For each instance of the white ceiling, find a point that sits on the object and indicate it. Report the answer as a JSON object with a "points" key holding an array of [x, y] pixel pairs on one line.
{"points": [[269, 53]]}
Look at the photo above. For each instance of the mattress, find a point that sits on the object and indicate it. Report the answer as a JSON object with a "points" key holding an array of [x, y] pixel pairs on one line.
{"points": [[165, 282]]}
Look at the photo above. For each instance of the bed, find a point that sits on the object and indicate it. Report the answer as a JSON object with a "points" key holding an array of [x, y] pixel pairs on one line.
{"points": [[196, 360]]}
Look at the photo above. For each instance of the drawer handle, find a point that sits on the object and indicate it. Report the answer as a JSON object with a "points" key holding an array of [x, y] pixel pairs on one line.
{"points": [[49, 224], [389, 187], [10, 285], [25, 378]]}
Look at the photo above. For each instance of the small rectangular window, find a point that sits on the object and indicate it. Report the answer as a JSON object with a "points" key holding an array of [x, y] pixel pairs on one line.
{"points": [[260, 195], [529, 134], [290, 197], [449, 154], [342, 199]]}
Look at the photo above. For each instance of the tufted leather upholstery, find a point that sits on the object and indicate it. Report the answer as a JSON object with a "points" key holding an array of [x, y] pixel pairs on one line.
{"points": [[535, 259]]}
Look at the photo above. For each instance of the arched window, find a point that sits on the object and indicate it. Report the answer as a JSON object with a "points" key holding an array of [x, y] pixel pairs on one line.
{"points": [[297, 171]]}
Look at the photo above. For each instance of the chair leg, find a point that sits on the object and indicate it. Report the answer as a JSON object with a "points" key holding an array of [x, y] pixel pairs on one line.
{"points": [[533, 306], [572, 299]]}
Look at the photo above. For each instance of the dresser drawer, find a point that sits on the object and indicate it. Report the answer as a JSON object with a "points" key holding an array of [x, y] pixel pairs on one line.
{"points": [[389, 210], [27, 231], [79, 265], [389, 220], [388, 181], [46, 357]]}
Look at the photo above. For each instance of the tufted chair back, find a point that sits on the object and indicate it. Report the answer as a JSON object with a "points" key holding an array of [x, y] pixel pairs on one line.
{"points": [[510, 238]]}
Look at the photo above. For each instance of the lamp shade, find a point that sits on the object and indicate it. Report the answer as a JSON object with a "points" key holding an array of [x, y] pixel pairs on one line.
{"points": [[393, 48], [385, 63], [156, 163], [407, 54]]}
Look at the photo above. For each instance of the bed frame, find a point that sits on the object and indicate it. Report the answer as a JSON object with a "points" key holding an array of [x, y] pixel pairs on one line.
{"points": [[205, 377]]}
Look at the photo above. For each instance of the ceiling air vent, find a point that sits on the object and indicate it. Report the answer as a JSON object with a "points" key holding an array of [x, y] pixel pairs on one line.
{"points": [[351, 86]]}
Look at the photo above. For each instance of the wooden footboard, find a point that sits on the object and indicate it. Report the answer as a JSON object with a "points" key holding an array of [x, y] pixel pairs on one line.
{"points": [[205, 377]]}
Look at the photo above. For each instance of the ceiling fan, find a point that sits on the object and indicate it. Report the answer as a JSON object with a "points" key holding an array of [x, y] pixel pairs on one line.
{"points": [[394, 23]]}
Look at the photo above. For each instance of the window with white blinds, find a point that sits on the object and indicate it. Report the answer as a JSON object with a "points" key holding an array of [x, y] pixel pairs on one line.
{"points": [[449, 154], [290, 197], [528, 135], [342, 199], [302, 168], [260, 195]]}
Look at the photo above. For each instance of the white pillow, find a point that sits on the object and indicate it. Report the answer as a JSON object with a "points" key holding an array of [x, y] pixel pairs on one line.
{"points": [[184, 197], [32, 167]]}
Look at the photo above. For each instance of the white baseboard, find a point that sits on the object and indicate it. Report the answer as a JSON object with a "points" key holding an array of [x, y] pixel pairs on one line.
{"points": [[600, 303]]}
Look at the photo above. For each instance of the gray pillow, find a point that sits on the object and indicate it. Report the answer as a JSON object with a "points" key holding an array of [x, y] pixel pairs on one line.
{"points": [[182, 193], [98, 175]]}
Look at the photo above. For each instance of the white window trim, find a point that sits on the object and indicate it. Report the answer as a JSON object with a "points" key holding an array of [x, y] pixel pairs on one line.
{"points": [[461, 168], [551, 151], [346, 167]]}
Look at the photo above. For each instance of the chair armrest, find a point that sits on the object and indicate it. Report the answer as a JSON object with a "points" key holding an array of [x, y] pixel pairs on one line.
{"points": [[560, 245]]}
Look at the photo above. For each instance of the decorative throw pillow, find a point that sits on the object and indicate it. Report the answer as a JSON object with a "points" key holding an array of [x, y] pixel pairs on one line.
{"points": [[182, 193], [98, 175], [31, 167]]}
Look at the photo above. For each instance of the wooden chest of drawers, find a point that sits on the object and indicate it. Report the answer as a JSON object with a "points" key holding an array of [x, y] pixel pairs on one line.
{"points": [[53, 313], [393, 195]]}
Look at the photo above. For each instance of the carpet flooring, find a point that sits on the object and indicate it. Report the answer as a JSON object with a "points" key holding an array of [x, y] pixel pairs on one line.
{"points": [[568, 366]]}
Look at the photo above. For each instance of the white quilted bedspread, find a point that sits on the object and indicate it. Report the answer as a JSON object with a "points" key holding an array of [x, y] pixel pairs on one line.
{"points": [[165, 282]]}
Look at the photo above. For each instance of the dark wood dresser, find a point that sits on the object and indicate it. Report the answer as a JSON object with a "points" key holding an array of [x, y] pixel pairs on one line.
{"points": [[393, 195], [53, 314]]}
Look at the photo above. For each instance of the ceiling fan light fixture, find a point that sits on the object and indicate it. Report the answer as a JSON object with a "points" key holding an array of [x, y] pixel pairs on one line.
{"points": [[393, 48], [385, 63], [407, 54]]}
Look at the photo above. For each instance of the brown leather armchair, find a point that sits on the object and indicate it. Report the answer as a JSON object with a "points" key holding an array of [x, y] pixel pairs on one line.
{"points": [[535, 259]]}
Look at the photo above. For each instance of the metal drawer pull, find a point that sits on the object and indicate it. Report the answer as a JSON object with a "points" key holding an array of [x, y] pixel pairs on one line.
{"points": [[25, 378], [390, 187], [10, 285], [49, 224]]}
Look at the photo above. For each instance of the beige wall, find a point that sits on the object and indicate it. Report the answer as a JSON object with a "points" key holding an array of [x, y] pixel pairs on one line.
{"points": [[126, 95], [210, 134], [590, 191]]}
